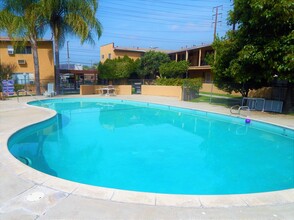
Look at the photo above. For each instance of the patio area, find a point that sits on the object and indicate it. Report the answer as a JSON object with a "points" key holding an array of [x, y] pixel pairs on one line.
{"points": [[30, 194]]}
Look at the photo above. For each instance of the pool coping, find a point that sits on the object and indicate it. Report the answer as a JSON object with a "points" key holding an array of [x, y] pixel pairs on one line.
{"points": [[115, 195]]}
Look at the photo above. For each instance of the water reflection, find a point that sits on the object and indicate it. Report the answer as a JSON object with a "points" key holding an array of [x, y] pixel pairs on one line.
{"points": [[28, 144], [129, 146]]}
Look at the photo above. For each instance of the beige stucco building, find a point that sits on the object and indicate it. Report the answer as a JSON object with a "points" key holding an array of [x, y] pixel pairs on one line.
{"points": [[196, 56], [109, 51], [22, 59]]}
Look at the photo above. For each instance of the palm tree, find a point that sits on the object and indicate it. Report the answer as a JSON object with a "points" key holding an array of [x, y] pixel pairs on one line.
{"points": [[73, 17], [23, 20]]}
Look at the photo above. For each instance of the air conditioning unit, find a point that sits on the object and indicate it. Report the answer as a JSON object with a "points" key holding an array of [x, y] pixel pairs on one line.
{"points": [[10, 50], [21, 62]]}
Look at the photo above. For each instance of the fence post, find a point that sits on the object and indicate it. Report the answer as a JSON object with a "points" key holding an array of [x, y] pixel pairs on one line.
{"points": [[211, 89]]}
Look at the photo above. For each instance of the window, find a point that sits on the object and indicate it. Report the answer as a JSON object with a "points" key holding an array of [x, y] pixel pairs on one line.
{"points": [[23, 50], [109, 56], [102, 57], [23, 78]]}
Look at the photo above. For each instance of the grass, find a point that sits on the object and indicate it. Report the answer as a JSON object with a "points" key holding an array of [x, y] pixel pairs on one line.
{"points": [[225, 100], [219, 100], [223, 95]]}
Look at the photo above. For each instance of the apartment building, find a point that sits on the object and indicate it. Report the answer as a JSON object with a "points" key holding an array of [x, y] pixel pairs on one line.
{"points": [[196, 56], [22, 58], [109, 51]]}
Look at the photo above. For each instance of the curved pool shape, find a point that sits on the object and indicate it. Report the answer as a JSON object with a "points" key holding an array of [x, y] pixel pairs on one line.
{"points": [[155, 148]]}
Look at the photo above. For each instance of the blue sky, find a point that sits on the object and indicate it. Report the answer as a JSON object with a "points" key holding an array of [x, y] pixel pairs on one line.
{"points": [[166, 24]]}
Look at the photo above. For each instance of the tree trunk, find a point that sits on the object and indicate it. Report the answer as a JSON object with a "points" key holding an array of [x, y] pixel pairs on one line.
{"points": [[57, 66], [33, 42]]}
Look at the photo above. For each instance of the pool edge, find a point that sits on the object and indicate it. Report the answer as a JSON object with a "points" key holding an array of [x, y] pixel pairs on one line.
{"points": [[37, 178]]}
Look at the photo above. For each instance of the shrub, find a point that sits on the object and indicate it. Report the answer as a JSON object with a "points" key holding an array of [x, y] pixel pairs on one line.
{"points": [[193, 84], [190, 87], [169, 82], [18, 87]]}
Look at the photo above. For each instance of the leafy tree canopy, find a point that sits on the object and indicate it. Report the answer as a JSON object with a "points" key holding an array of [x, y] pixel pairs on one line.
{"points": [[119, 68], [173, 69], [70, 17], [150, 63], [29, 19], [22, 21], [261, 48]]}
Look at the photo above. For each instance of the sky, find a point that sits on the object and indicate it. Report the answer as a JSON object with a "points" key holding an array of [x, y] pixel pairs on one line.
{"points": [[164, 24]]}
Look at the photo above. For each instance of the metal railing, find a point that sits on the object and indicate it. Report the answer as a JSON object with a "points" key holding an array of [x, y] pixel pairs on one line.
{"points": [[27, 93], [238, 110]]}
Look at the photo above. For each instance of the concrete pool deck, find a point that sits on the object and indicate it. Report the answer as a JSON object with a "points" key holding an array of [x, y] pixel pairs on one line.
{"points": [[28, 194]]}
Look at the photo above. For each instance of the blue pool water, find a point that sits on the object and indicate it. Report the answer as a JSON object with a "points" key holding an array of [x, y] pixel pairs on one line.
{"points": [[155, 148]]}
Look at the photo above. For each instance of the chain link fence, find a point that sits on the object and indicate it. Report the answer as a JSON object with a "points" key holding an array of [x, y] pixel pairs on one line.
{"points": [[282, 93], [278, 97]]}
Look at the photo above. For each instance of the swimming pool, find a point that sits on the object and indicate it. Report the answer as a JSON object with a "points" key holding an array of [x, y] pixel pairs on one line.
{"points": [[153, 148]]}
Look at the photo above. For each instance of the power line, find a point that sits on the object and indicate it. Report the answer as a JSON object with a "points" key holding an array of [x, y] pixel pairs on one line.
{"points": [[144, 10], [162, 4], [123, 21], [147, 38], [137, 18]]}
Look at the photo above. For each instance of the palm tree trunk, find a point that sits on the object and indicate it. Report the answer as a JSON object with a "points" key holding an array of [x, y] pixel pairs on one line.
{"points": [[57, 66], [33, 42]]}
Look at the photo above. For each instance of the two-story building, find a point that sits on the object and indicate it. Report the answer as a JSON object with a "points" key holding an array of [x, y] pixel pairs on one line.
{"points": [[196, 56], [21, 57], [109, 51]]}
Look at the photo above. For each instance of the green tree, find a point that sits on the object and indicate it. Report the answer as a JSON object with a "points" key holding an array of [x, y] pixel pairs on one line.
{"points": [[70, 17], [22, 21], [150, 63], [259, 50], [174, 69], [119, 68]]}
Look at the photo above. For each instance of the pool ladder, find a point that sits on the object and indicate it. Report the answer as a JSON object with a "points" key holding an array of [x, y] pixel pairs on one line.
{"points": [[238, 110], [27, 93]]}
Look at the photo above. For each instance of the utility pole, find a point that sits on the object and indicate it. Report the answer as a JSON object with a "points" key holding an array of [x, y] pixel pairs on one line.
{"points": [[216, 9], [67, 55], [234, 22]]}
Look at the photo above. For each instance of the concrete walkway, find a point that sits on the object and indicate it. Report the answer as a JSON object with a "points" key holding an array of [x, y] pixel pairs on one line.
{"points": [[28, 194]]}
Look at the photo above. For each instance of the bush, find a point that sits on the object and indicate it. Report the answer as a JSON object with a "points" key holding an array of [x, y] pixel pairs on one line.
{"points": [[190, 87], [18, 87], [193, 84], [169, 82]]}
